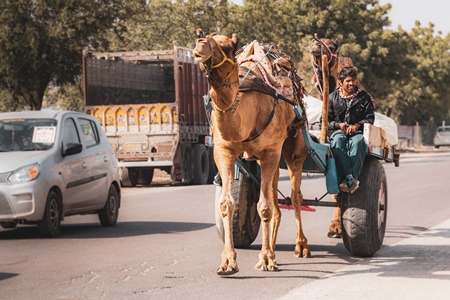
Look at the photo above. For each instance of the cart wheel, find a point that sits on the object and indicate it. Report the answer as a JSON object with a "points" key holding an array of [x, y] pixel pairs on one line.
{"points": [[364, 212], [246, 220]]}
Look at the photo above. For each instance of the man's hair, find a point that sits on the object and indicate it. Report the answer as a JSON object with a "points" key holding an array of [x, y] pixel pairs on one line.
{"points": [[347, 71]]}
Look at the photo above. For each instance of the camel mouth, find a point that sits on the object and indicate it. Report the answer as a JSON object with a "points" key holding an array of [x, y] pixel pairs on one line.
{"points": [[199, 58]]}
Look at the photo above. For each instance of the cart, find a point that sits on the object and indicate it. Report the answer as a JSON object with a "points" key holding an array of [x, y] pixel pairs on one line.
{"points": [[363, 213]]}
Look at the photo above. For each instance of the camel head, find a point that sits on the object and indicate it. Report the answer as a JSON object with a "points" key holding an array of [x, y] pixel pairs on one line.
{"points": [[318, 48], [216, 52]]}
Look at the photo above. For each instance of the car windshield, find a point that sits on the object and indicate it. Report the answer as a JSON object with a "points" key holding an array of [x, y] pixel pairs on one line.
{"points": [[27, 134]]}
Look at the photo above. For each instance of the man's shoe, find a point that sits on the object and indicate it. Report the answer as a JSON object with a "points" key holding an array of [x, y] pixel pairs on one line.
{"points": [[343, 186], [354, 185], [349, 186]]}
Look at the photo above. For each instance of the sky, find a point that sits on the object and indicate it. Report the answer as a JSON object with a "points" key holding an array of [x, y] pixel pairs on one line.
{"points": [[406, 12]]}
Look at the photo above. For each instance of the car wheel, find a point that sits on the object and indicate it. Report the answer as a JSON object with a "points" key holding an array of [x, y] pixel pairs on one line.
{"points": [[8, 225], [110, 212], [50, 225]]}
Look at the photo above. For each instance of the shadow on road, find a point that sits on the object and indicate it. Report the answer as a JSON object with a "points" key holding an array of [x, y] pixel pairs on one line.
{"points": [[95, 230]]}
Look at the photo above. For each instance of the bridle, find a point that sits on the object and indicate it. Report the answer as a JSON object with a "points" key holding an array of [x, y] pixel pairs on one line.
{"points": [[209, 69], [331, 55]]}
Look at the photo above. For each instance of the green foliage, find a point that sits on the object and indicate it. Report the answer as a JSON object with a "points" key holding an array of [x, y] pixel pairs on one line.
{"points": [[426, 97], [41, 43]]}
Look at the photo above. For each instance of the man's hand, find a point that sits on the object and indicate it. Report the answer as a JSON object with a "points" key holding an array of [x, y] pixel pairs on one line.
{"points": [[343, 127], [351, 129]]}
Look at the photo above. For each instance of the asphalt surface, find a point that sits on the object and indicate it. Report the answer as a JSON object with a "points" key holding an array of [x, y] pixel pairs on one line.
{"points": [[414, 268]]}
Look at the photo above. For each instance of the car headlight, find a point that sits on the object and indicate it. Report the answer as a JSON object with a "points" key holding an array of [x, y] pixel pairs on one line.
{"points": [[25, 174]]}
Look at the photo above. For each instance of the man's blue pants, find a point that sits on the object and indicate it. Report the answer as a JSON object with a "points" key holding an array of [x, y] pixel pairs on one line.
{"points": [[349, 153]]}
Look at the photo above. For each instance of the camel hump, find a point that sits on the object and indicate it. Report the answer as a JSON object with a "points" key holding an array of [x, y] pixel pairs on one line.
{"points": [[275, 63]]}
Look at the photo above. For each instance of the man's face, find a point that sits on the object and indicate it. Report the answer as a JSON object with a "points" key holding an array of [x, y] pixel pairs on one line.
{"points": [[348, 85]]}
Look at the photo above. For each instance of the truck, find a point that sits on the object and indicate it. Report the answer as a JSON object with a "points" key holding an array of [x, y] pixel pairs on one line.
{"points": [[150, 105]]}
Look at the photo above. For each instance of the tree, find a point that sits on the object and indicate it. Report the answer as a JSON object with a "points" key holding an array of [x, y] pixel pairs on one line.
{"points": [[425, 98], [41, 41]]}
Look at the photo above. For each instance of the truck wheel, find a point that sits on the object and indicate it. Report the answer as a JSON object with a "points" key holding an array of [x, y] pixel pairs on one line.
{"points": [[145, 176], [129, 177], [364, 212], [110, 212], [50, 225], [246, 220], [212, 166], [201, 164]]}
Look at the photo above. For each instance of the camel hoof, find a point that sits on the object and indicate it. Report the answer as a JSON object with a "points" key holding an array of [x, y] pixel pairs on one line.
{"points": [[229, 271], [273, 268]]}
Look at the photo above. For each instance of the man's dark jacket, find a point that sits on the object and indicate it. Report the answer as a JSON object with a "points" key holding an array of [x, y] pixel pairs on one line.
{"points": [[361, 110]]}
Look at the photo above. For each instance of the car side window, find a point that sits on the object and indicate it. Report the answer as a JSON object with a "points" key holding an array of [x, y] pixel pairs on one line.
{"points": [[70, 132], [89, 132]]}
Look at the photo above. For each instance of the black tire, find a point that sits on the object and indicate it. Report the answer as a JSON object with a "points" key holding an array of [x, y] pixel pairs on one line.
{"points": [[200, 164], [212, 166], [110, 212], [145, 176], [364, 213], [8, 225], [50, 225], [246, 220], [129, 176]]}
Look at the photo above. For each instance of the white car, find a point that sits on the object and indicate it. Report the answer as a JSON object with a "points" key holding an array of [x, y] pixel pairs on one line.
{"points": [[442, 136], [55, 164]]}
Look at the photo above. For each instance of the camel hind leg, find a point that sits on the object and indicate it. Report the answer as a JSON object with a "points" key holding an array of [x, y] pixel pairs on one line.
{"points": [[335, 229]]}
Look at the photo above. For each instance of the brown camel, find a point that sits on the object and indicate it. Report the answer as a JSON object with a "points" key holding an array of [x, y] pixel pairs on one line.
{"points": [[328, 47], [247, 119]]}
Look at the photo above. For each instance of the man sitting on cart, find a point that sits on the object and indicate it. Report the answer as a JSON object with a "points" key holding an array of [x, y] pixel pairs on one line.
{"points": [[349, 108]]}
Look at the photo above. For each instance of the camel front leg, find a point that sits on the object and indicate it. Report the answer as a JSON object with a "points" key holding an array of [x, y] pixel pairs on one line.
{"points": [[301, 243], [229, 263], [275, 224], [267, 212], [294, 152], [226, 211]]}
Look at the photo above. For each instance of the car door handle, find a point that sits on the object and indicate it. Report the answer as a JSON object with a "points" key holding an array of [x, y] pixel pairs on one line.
{"points": [[84, 165], [105, 158]]}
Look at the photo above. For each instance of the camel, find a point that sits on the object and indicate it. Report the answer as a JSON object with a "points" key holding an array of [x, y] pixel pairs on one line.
{"points": [[328, 47], [248, 119]]}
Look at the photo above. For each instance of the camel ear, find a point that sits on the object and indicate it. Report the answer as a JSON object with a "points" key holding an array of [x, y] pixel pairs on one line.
{"points": [[336, 42], [235, 39]]}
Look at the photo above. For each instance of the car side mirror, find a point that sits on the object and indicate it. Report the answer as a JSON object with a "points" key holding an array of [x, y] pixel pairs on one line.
{"points": [[71, 148]]}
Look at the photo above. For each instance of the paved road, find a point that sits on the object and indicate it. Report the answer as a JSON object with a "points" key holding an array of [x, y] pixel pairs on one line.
{"points": [[165, 246], [414, 268]]}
